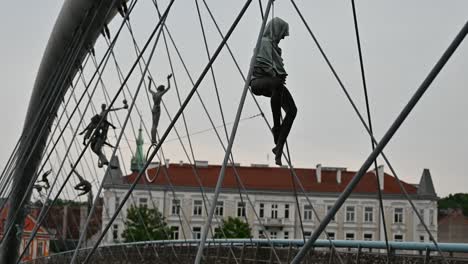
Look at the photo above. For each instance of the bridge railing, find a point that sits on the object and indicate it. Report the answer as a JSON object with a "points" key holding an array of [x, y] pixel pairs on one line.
{"points": [[253, 250]]}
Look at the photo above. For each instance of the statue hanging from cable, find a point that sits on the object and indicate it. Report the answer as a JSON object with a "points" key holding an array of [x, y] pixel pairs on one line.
{"points": [[96, 132], [156, 111]]}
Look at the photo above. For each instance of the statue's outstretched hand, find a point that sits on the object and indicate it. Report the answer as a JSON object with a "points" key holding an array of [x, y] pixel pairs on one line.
{"points": [[169, 76]]}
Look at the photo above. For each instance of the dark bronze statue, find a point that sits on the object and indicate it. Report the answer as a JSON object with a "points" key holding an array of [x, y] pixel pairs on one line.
{"points": [[157, 97], [83, 185], [45, 180], [96, 132]]}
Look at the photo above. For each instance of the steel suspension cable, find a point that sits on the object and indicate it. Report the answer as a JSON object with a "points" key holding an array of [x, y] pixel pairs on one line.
{"points": [[386, 138], [119, 72], [231, 140], [178, 113], [94, 112], [161, 21], [369, 121], [364, 124], [166, 172], [238, 180], [33, 180], [269, 127]]}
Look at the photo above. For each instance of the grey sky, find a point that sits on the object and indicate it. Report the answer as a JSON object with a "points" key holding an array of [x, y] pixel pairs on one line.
{"points": [[401, 41]]}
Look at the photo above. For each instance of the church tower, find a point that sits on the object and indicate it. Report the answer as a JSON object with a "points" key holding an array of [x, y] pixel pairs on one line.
{"points": [[139, 159]]}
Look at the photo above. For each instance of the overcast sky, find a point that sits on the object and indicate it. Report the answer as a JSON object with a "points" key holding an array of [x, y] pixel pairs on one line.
{"points": [[401, 41]]}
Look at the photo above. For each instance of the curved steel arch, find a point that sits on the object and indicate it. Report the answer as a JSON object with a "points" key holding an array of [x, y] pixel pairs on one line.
{"points": [[75, 31]]}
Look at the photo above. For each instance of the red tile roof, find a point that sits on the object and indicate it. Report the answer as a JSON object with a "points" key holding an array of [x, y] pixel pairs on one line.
{"points": [[269, 178]]}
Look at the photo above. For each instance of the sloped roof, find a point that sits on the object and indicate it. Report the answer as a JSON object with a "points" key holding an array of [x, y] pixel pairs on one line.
{"points": [[268, 179], [426, 186]]}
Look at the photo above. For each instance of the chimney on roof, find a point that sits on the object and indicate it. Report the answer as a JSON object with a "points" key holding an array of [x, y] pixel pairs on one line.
{"points": [[257, 165], [381, 175], [181, 162], [201, 163], [167, 163], [338, 176], [318, 173]]}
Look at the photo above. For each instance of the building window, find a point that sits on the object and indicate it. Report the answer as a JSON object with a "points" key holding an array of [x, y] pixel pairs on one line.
{"points": [[174, 232], [40, 249], [331, 235], [329, 207], [29, 249], [350, 213], [307, 212], [115, 232], [241, 209], [421, 238], [368, 214], [431, 217], [349, 236], [286, 211], [286, 235], [274, 211], [422, 214], [117, 203], [196, 232], [307, 234], [143, 202], [398, 215], [260, 234], [368, 236], [273, 235], [261, 212], [175, 207], [197, 207], [219, 211], [398, 237]]}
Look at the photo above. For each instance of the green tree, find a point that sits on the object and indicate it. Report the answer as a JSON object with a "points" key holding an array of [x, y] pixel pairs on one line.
{"points": [[454, 201], [144, 224], [233, 227]]}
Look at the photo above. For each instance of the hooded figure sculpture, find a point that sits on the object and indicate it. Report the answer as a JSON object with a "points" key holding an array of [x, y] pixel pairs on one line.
{"points": [[269, 79]]}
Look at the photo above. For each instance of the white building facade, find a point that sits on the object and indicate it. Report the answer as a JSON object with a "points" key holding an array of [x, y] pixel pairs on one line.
{"points": [[269, 203]]}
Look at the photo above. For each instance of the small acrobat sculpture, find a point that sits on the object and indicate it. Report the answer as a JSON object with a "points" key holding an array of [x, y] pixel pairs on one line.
{"points": [[157, 98], [83, 185], [97, 129], [45, 180]]}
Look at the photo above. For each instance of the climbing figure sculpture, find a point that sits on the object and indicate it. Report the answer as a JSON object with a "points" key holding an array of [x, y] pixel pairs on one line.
{"points": [[38, 188], [83, 185], [157, 97], [96, 132], [269, 79], [45, 180]]}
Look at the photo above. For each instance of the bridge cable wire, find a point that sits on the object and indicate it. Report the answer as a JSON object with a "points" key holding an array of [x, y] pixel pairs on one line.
{"points": [[423, 87], [107, 99], [13, 166], [136, 48], [155, 30], [120, 77], [211, 121], [184, 105], [219, 104], [228, 152], [269, 127], [103, 61], [402, 188], [33, 180], [193, 166], [93, 172], [146, 130], [369, 121]]}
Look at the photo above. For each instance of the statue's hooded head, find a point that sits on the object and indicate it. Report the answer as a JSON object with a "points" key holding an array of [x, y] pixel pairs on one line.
{"points": [[276, 29]]}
